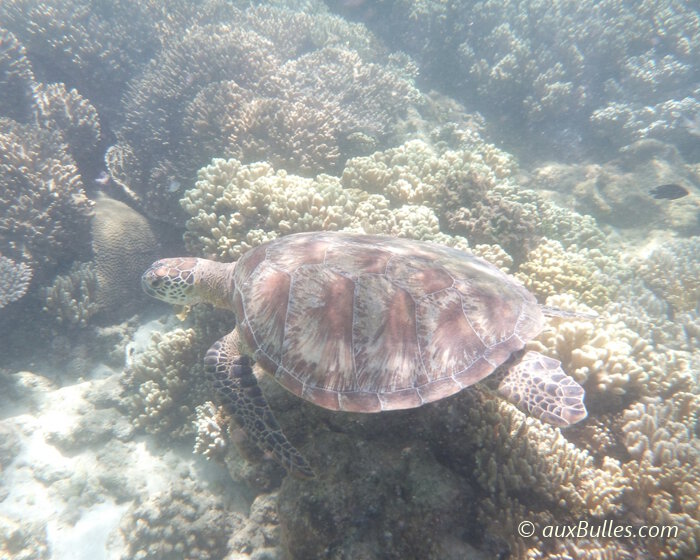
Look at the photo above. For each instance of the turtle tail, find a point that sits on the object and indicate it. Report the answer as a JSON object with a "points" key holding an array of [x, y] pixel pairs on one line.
{"points": [[237, 388]]}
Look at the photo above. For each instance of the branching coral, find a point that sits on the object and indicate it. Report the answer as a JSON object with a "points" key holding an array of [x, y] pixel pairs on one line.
{"points": [[16, 78], [72, 297], [272, 109], [544, 67], [14, 280], [70, 114], [673, 273], [661, 435], [45, 215], [94, 47], [234, 207]]}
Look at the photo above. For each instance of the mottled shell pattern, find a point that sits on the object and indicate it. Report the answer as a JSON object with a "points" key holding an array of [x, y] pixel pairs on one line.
{"points": [[370, 323]]}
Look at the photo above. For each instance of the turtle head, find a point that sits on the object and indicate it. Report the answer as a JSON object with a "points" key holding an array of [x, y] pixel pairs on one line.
{"points": [[172, 280]]}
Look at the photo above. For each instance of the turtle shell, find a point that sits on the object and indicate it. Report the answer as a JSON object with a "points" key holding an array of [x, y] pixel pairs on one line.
{"points": [[368, 323]]}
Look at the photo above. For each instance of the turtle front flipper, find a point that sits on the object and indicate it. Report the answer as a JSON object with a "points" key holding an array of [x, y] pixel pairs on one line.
{"points": [[538, 385], [237, 387]]}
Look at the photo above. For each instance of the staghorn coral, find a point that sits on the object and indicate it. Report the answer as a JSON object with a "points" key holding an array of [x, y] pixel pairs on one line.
{"points": [[271, 106], [661, 436], [93, 47], [16, 78], [70, 114], [672, 272], [46, 214], [550, 270], [14, 280]]}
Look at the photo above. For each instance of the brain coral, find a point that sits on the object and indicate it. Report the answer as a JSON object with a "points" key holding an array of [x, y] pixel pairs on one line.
{"points": [[123, 245]]}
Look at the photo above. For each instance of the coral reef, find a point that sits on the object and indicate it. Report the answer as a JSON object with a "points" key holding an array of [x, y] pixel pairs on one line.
{"points": [[551, 270], [672, 272], [161, 387], [14, 280], [16, 78], [46, 214], [557, 72], [72, 297], [661, 436], [271, 105], [184, 522]]}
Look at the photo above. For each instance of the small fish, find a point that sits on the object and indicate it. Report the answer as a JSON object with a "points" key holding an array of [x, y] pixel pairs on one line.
{"points": [[102, 178], [670, 191]]}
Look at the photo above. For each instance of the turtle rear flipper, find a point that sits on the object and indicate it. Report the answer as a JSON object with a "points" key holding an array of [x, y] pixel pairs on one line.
{"points": [[237, 387], [538, 385]]}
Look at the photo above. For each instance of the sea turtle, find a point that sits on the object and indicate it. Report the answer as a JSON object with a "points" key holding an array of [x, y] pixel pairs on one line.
{"points": [[366, 323]]}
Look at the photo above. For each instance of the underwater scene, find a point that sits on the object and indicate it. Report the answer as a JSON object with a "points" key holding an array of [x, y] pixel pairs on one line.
{"points": [[349, 280]]}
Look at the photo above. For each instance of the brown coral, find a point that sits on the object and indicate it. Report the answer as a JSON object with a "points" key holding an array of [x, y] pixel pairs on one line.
{"points": [[270, 109], [16, 78], [46, 214], [14, 280]]}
